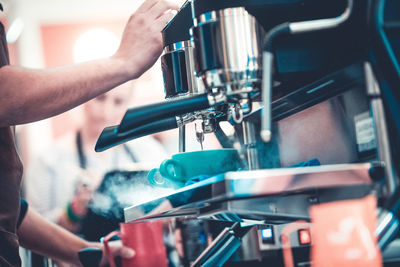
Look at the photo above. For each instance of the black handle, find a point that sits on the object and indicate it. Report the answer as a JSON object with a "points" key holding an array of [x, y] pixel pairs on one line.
{"points": [[138, 116], [222, 138], [109, 137], [90, 257]]}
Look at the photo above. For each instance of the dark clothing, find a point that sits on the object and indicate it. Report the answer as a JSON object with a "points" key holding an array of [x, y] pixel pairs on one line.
{"points": [[22, 211], [10, 181]]}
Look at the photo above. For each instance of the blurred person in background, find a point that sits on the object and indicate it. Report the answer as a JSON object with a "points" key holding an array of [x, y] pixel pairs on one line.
{"points": [[61, 179], [29, 95]]}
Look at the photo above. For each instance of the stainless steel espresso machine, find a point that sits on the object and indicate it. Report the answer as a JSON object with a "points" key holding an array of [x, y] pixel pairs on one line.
{"points": [[311, 89]]}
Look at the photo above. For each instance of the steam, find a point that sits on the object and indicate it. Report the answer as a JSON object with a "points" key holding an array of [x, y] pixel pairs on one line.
{"points": [[120, 190]]}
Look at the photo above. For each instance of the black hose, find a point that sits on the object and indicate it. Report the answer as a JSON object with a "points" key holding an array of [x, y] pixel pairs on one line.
{"points": [[138, 116], [110, 137], [222, 138]]}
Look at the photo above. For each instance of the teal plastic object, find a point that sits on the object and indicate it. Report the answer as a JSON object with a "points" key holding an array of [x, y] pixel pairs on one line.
{"points": [[182, 167]]}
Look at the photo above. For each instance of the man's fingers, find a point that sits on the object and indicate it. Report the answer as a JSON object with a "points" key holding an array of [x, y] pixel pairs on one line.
{"points": [[127, 253], [146, 5], [118, 249], [162, 21], [161, 7]]}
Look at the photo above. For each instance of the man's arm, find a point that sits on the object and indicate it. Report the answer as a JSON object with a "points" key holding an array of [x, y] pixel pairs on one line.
{"points": [[28, 95], [53, 241]]}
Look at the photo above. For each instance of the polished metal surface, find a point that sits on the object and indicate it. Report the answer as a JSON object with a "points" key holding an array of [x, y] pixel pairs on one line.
{"points": [[233, 81], [294, 28], [236, 44], [188, 69], [194, 83], [184, 119], [187, 47], [272, 195], [216, 99], [208, 17], [182, 139], [381, 131], [222, 247], [370, 81], [250, 142], [199, 134], [387, 229], [177, 46], [321, 24], [209, 125], [266, 131], [250, 250]]}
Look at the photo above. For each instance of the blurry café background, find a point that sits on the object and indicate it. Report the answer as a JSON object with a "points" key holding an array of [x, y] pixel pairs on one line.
{"points": [[308, 174], [47, 33], [53, 33]]}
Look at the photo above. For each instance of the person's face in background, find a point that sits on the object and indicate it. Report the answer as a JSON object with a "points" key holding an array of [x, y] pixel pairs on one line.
{"points": [[107, 109]]}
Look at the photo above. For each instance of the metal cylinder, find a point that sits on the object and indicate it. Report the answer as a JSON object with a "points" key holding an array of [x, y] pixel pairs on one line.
{"points": [[178, 69], [228, 49]]}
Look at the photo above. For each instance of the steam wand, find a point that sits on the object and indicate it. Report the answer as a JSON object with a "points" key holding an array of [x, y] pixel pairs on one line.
{"points": [[223, 246], [182, 138], [199, 135], [388, 221], [268, 57]]}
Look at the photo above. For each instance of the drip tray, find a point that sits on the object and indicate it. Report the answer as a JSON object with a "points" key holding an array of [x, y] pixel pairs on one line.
{"points": [[261, 196]]}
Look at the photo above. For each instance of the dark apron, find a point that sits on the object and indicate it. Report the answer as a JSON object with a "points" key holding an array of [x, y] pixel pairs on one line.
{"points": [[10, 181]]}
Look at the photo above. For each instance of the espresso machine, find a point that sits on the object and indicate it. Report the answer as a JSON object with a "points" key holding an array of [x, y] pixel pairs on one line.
{"points": [[310, 84]]}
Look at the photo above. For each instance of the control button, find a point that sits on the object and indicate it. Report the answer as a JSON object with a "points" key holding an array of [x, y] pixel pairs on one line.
{"points": [[304, 236], [267, 235]]}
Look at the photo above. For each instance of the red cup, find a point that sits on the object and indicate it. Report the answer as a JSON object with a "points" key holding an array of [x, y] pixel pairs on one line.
{"points": [[146, 239], [342, 234]]}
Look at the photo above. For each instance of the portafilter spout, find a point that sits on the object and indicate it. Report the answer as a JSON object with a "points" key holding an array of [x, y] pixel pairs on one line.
{"points": [[110, 138], [291, 28], [135, 117]]}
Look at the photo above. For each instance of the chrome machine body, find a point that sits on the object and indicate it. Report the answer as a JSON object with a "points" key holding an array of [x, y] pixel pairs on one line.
{"points": [[228, 50], [298, 81]]}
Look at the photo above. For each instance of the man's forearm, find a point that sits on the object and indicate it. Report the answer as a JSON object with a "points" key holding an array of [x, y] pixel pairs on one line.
{"points": [[30, 95], [49, 239], [52, 241]]}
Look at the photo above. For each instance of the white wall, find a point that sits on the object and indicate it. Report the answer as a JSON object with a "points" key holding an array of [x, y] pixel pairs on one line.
{"points": [[34, 13]]}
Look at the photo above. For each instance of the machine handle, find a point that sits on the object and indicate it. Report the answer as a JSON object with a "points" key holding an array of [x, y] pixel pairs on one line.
{"points": [[138, 116], [90, 257], [107, 249], [223, 247], [109, 137], [171, 169]]}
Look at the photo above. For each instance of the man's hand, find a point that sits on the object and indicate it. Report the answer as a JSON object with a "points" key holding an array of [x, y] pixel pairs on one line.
{"points": [[141, 44], [52, 241], [117, 249], [28, 95]]}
